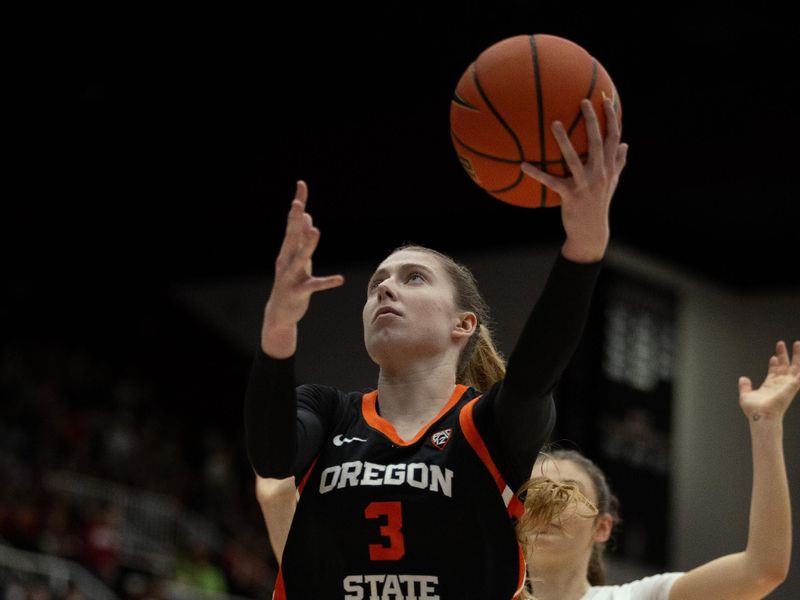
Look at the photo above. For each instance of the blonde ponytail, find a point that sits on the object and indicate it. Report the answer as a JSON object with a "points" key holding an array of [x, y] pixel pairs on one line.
{"points": [[485, 365]]}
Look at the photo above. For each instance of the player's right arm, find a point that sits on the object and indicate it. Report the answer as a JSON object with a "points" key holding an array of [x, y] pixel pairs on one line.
{"points": [[294, 282], [282, 433]]}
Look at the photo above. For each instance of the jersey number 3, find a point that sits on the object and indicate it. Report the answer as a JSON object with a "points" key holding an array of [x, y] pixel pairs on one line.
{"points": [[394, 523]]}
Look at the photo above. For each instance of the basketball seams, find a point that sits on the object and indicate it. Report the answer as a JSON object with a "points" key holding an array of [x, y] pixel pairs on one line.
{"points": [[579, 117], [540, 101], [491, 107], [509, 161], [461, 102], [510, 187], [588, 96], [509, 68]]}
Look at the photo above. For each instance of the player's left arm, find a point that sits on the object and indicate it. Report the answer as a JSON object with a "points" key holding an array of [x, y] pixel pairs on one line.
{"points": [[764, 563], [524, 410]]}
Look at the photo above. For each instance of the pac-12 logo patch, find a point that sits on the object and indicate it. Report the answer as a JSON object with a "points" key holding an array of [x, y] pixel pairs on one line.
{"points": [[440, 438]]}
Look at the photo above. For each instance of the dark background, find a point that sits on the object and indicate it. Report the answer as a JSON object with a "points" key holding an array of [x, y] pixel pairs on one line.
{"points": [[152, 149], [161, 146]]}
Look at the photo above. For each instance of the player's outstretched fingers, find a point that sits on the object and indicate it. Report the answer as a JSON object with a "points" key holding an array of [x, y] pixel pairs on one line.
{"points": [[595, 137], [745, 385], [557, 184], [782, 353], [301, 193], [319, 284], [571, 157], [613, 133], [308, 245], [621, 158]]}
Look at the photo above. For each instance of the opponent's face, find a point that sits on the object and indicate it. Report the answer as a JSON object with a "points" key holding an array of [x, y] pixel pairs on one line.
{"points": [[410, 307], [571, 536]]}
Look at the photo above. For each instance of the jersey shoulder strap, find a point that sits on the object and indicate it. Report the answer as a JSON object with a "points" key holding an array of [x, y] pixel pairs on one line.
{"points": [[467, 422]]}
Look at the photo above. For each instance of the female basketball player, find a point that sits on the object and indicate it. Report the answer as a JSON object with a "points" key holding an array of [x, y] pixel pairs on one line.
{"points": [[565, 558], [388, 479]]}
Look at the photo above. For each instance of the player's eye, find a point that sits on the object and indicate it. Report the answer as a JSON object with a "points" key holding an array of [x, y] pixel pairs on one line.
{"points": [[415, 276], [375, 282]]}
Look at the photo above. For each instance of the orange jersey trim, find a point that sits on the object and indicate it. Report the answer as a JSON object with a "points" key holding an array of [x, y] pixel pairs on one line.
{"points": [[304, 480], [515, 507], [371, 416]]}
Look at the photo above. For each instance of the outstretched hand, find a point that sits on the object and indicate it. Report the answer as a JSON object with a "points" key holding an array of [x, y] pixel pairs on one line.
{"points": [[294, 282], [779, 388], [586, 195]]}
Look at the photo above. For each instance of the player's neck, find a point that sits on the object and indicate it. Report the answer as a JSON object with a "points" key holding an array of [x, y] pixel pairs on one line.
{"points": [[559, 580], [410, 398]]}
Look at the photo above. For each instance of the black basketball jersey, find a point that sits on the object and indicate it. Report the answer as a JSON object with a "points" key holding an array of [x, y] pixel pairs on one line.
{"points": [[379, 518]]}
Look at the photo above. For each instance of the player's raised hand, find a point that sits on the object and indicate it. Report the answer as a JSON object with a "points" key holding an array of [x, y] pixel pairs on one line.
{"points": [[779, 388], [586, 194], [294, 280]]}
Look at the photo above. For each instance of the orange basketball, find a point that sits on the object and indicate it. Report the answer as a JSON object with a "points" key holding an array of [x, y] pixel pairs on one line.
{"points": [[506, 101]]}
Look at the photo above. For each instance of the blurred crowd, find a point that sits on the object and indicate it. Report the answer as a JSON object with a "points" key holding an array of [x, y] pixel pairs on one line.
{"points": [[67, 406]]}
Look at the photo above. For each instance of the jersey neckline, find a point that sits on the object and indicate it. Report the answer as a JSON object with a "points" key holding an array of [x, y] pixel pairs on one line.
{"points": [[371, 416]]}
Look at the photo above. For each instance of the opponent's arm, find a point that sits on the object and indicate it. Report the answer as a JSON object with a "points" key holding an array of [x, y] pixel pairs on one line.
{"points": [[764, 563], [277, 499]]}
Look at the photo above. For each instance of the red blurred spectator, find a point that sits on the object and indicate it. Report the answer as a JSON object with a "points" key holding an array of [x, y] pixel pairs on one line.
{"points": [[102, 543]]}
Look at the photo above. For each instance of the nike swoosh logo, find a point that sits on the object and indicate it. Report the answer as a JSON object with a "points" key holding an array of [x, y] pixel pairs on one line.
{"points": [[340, 439]]}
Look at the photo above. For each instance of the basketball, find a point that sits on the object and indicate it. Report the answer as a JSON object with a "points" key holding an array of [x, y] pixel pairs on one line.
{"points": [[503, 107]]}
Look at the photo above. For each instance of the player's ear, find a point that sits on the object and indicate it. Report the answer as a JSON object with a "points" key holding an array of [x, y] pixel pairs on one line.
{"points": [[465, 325], [604, 523]]}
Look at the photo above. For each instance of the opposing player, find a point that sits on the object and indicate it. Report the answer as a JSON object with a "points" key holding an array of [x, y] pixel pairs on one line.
{"points": [[565, 557]]}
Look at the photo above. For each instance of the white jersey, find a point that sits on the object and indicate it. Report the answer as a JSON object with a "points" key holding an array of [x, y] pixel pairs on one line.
{"points": [[655, 587]]}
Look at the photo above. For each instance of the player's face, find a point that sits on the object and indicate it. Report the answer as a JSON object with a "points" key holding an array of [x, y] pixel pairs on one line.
{"points": [[410, 307], [571, 536]]}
